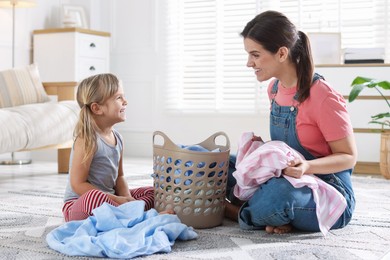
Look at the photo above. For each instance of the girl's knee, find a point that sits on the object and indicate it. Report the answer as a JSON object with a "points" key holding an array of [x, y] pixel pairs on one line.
{"points": [[93, 193]]}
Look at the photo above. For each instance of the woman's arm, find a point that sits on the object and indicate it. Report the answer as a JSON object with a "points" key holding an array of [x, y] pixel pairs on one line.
{"points": [[344, 156]]}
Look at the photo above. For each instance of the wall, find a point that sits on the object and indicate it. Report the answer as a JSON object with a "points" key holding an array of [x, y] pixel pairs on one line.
{"points": [[139, 48], [25, 20], [135, 27], [136, 59], [46, 14]]}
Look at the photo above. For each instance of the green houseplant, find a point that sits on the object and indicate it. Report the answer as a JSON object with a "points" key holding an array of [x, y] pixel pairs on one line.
{"points": [[360, 83]]}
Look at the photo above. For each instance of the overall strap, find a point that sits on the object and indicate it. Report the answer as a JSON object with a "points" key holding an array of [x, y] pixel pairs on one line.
{"points": [[275, 87], [316, 77]]}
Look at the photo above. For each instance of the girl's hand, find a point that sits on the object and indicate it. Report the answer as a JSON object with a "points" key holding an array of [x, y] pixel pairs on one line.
{"points": [[296, 168], [122, 199]]}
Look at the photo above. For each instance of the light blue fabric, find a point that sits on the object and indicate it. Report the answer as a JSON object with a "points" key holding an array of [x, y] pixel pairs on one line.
{"points": [[125, 231], [197, 148]]}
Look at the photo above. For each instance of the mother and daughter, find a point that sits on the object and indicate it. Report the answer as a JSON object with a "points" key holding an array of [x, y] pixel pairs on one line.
{"points": [[306, 114]]}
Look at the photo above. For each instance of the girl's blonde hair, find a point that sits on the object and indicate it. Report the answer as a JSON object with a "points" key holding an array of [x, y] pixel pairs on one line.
{"points": [[94, 89]]}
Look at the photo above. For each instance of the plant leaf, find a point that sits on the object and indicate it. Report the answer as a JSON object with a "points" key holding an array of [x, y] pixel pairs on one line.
{"points": [[384, 123], [360, 80], [355, 91], [384, 84], [359, 83], [380, 116]]}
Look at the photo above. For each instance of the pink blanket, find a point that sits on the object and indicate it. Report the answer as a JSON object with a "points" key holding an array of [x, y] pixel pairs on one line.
{"points": [[258, 161]]}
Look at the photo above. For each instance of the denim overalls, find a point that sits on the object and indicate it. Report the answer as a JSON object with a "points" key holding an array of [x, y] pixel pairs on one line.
{"points": [[277, 202]]}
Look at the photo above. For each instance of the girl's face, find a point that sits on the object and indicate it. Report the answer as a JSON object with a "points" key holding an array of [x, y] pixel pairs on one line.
{"points": [[264, 62], [114, 108]]}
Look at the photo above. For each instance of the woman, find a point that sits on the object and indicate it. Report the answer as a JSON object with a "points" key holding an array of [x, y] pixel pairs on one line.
{"points": [[307, 114]]}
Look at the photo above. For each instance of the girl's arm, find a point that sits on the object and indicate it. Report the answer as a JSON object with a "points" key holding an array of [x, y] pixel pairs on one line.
{"points": [[121, 187], [79, 174], [79, 170], [344, 156]]}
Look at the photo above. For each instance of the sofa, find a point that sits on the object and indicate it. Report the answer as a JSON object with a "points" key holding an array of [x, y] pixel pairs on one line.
{"points": [[36, 115]]}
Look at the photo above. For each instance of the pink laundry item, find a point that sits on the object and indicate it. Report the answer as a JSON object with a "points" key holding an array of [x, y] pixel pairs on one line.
{"points": [[259, 161]]}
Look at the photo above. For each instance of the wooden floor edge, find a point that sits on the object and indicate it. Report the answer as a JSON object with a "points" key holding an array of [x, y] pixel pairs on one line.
{"points": [[367, 168]]}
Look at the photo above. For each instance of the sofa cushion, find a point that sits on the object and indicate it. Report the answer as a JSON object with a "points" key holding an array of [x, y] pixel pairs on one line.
{"points": [[20, 86], [37, 125]]}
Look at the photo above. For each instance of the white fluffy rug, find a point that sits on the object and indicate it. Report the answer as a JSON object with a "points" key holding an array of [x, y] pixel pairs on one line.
{"points": [[31, 200]]}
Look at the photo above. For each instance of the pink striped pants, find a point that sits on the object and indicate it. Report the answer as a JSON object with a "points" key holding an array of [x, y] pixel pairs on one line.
{"points": [[81, 208]]}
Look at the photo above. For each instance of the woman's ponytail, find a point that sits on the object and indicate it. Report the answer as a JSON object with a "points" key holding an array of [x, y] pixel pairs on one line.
{"points": [[301, 55]]}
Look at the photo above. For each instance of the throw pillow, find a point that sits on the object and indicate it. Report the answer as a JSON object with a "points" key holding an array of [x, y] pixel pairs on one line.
{"points": [[20, 86]]}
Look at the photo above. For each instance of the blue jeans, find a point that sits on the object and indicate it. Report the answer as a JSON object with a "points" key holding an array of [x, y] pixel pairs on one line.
{"points": [[276, 203]]}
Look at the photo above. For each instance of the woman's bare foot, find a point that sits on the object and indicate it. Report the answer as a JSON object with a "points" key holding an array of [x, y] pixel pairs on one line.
{"points": [[167, 211], [278, 230]]}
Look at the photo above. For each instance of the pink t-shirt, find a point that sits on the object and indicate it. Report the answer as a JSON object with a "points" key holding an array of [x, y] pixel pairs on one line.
{"points": [[321, 118]]}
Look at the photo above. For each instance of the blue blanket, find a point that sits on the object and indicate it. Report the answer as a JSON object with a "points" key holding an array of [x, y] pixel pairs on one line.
{"points": [[126, 231]]}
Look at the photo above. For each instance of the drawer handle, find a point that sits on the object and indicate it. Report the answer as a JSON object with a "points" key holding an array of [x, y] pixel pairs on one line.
{"points": [[92, 45], [92, 68]]}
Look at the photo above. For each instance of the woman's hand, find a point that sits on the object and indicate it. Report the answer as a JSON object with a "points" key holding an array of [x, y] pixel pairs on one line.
{"points": [[296, 168]]}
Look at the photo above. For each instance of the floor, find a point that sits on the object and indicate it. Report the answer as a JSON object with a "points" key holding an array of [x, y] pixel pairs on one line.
{"points": [[39, 169], [31, 198]]}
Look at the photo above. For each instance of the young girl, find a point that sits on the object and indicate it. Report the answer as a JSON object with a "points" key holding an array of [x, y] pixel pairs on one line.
{"points": [[96, 172]]}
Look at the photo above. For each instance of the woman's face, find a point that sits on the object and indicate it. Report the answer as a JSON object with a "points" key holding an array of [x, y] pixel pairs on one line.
{"points": [[264, 63]]}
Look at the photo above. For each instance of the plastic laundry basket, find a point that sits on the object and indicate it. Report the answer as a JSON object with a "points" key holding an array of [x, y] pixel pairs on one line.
{"points": [[192, 183]]}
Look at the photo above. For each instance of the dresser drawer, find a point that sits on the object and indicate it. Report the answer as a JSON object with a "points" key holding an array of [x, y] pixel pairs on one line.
{"points": [[71, 54], [93, 46], [88, 67]]}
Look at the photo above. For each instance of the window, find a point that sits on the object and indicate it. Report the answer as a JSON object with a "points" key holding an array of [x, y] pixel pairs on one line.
{"points": [[205, 59]]}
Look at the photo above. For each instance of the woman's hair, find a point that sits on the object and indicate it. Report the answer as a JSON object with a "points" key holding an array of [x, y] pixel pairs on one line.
{"points": [[94, 89], [274, 30]]}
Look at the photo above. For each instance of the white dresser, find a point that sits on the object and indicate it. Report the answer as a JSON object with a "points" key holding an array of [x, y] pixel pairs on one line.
{"points": [[70, 54]]}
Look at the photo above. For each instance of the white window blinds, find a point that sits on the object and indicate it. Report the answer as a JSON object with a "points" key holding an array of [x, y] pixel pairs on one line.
{"points": [[205, 65], [362, 23]]}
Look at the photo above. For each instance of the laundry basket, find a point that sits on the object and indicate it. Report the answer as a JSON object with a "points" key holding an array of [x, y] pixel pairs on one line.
{"points": [[192, 183]]}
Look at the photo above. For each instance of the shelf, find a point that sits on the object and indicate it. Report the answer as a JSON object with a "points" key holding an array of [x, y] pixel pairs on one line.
{"points": [[352, 65], [71, 29]]}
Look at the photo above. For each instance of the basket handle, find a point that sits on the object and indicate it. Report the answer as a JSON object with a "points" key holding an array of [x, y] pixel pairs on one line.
{"points": [[168, 144], [211, 140]]}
